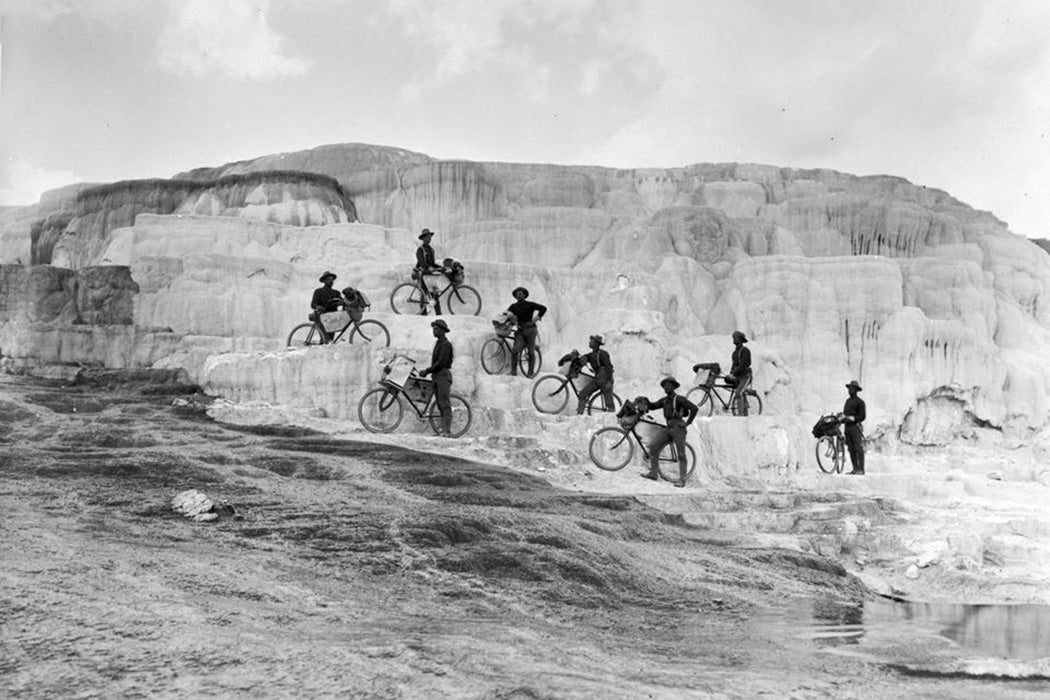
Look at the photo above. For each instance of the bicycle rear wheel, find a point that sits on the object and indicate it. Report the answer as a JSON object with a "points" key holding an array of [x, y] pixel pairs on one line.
{"points": [[462, 416], [495, 357], [304, 335], [829, 456], [523, 363], [372, 333], [611, 449], [463, 300], [597, 403], [380, 410], [667, 463], [754, 404], [550, 393], [407, 298]]}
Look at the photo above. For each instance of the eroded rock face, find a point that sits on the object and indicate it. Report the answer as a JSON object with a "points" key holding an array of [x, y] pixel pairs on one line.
{"points": [[76, 236]]}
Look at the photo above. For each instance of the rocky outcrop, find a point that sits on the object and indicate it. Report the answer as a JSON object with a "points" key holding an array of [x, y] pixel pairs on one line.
{"points": [[52, 295], [75, 237]]}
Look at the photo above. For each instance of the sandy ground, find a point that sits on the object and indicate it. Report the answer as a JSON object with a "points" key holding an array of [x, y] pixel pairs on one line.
{"points": [[360, 569]]}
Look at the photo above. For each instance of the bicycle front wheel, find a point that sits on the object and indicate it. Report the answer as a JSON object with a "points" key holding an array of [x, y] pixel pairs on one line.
{"points": [[495, 357], [550, 393], [407, 298], [380, 410], [462, 416], [668, 466], [611, 449], [463, 300], [701, 396], [304, 335], [372, 333], [597, 403], [829, 457]]}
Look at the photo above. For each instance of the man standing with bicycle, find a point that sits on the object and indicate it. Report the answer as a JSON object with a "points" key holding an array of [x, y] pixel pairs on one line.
{"points": [[526, 314], [853, 414], [602, 366], [679, 412], [441, 369], [740, 373]]}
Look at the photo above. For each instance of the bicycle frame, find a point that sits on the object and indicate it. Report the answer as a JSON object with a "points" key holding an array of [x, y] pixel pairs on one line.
{"points": [[436, 296], [714, 391], [335, 336], [644, 447]]}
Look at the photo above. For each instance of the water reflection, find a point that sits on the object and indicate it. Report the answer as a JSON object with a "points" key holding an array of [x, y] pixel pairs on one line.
{"points": [[1002, 631]]}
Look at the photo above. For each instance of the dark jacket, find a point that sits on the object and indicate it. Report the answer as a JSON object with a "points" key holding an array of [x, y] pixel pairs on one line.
{"points": [[741, 361], [601, 364], [523, 311], [855, 407], [425, 256], [328, 298], [441, 358], [598, 359], [678, 410]]}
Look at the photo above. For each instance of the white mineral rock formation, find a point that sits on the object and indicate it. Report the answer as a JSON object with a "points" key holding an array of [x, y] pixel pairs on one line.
{"points": [[937, 309]]}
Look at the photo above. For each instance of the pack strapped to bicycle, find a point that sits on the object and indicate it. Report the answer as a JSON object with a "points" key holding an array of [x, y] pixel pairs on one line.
{"points": [[335, 321], [826, 425], [397, 371], [504, 324], [454, 271], [707, 372]]}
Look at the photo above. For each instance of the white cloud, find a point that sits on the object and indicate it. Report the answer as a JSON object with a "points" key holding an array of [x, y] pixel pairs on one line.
{"points": [[468, 35], [591, 73], [228, 37], [22, 183]]}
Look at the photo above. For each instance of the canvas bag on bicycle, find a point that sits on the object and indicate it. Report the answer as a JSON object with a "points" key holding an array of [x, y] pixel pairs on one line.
{"points": [[504, 324], [356, 303], [335, 321], [825, 425]]}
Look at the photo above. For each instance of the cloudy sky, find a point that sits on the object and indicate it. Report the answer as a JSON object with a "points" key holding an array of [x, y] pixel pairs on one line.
{"points": [[950, 94]]}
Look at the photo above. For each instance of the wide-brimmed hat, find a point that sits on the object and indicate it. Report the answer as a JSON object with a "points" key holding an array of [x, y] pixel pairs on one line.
{"points": [[519, 289], [738, 334], [425, 232], [327, 274], [597, 339], [854, 385], [440, 323], [670, 380]]}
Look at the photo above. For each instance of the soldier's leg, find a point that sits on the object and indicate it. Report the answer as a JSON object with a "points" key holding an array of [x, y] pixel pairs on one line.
{"points": [[655, 446], [585, 393]]}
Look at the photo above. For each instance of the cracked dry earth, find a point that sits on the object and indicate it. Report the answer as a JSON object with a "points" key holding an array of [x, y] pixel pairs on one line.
{"points": [[355, 569]]}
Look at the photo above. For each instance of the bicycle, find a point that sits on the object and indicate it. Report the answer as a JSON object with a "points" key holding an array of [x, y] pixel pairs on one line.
{"points": [[414, 298], [710, 390], [612, 449], [831, 444], [370, 331], [382, 409], [497, 355], [550, 394]]}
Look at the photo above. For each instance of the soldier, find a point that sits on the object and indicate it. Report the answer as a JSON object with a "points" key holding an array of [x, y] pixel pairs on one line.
{"points": [[602, 366], [441, 368], [679, 412], [853, 414]]}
